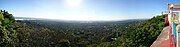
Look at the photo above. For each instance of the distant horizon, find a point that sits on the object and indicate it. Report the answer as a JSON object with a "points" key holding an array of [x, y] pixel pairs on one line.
{"points": [[34, 18]]}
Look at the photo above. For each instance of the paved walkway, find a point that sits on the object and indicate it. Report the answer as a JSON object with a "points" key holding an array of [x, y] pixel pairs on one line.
{"points": [[165, 39]]}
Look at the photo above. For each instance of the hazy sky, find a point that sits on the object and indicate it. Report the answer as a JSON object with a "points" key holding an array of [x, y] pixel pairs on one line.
{"points": [[86, 9]]}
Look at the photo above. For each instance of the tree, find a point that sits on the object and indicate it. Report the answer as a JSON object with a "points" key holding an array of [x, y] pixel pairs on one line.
{"points": [[8, 35]]}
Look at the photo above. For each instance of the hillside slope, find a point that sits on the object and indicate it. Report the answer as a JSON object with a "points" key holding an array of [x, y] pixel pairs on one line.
{"points": [[43, 33], [129, 35], [142, 34]]}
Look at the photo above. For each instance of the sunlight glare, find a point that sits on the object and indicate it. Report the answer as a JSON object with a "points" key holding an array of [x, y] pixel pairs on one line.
{"points": [[73, 3]]}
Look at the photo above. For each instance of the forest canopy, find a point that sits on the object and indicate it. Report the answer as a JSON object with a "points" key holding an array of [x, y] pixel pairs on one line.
{"points": [[45, 33]]}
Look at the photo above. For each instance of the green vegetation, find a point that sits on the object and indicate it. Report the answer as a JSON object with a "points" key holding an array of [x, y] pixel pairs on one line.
{"points": [[142, 34], [49, 33], [8, 34]]}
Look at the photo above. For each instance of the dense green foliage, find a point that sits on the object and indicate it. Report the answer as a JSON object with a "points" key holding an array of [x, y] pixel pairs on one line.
{"points": [[48, 33], [78, 33], [142, 34], [8, 34]]}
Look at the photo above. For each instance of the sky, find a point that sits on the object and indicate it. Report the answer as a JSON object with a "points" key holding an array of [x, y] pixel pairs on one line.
{"points": [[86, 10]]}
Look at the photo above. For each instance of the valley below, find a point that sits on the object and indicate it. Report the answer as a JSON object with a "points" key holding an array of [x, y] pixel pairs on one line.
{"points": [[33, 32]]}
